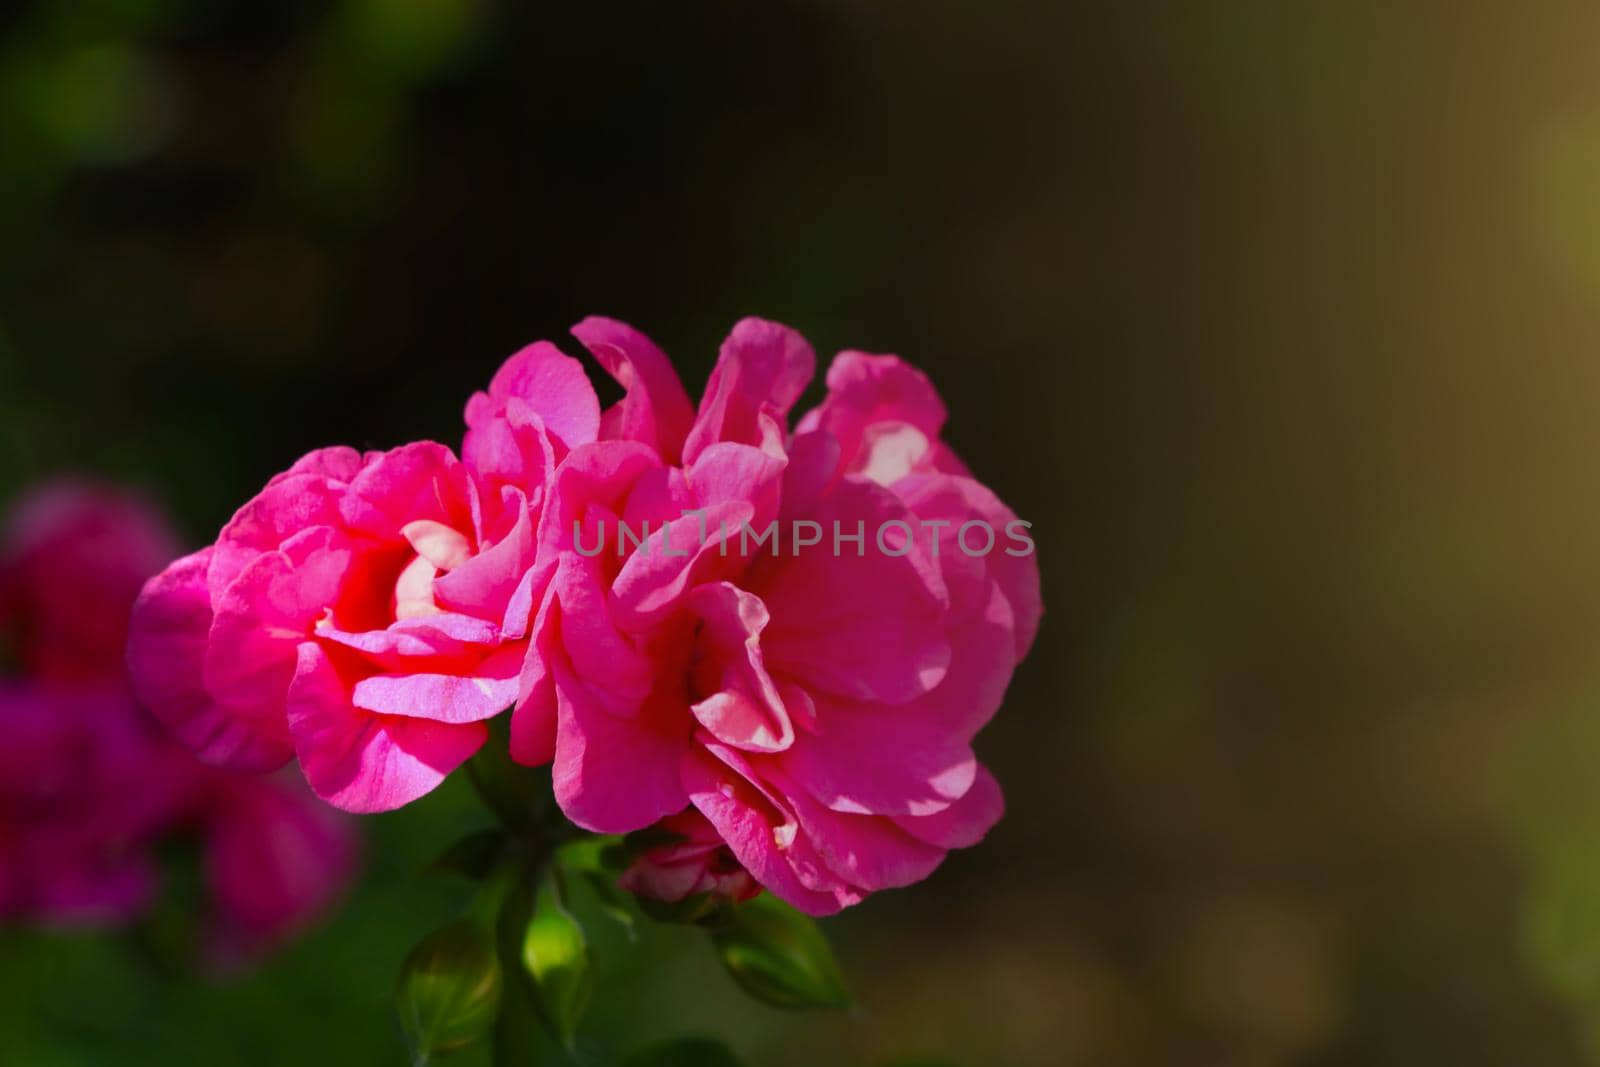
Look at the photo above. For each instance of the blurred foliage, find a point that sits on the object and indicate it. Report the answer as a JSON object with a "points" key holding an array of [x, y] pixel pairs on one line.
{"points": [[1277, 321]]}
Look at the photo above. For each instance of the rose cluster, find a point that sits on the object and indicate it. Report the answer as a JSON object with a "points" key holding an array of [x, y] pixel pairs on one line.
{"points": [[801, 720], [91, 787]]}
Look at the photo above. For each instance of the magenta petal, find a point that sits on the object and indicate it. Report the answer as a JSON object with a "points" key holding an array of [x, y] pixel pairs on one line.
{"points": [[879, 407], [761, 371], [261, 618], [597, 476], [959, 500], [74, 889], [293, 501], [338, 463], [418, 481], [655, 409], [869, 626], [746, 711], [166, 657], [363, 762], [727, 473], [553, 385], [879, 760], [964, 823], [813, 464], [674, 560], [753, 829], [598, 652], [534, 719], [864, 850], [615, 775]]}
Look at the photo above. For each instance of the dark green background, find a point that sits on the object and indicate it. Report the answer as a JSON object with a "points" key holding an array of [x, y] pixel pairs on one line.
{"points": [[1278, 320]]}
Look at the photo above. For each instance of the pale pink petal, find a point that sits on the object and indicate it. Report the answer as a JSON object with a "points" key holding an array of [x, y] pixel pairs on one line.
{"points": [[440, 637], [478, 693], [483, 584], [442, 546]]}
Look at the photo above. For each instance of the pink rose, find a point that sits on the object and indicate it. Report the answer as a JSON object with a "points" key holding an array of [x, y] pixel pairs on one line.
{"points": [[90, 785], [354, 614], [816, 708], [366, 614]]}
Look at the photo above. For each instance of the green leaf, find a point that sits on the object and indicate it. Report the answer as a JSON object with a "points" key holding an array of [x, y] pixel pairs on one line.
{"points": [[449, 989], [684, 1052], [779, 955], [556, 953]]}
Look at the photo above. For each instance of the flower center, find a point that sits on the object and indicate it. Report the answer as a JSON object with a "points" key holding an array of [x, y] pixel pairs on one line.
{"points": [[439, 549]]}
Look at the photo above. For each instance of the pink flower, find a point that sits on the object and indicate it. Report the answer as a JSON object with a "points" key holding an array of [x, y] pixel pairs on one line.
{"points": [[275, 860], [73, 559], [87, 787], [356, 614], [694, 860], [816, 708], [90, 784]]}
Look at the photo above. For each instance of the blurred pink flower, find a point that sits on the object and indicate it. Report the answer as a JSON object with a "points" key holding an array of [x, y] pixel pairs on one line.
{"points": [[73, 559], [275, 860], [90, 785], [87, 788]]}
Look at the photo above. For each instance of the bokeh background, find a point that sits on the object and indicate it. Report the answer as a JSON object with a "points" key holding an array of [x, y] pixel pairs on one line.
{"points": [[1278, 320]]}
